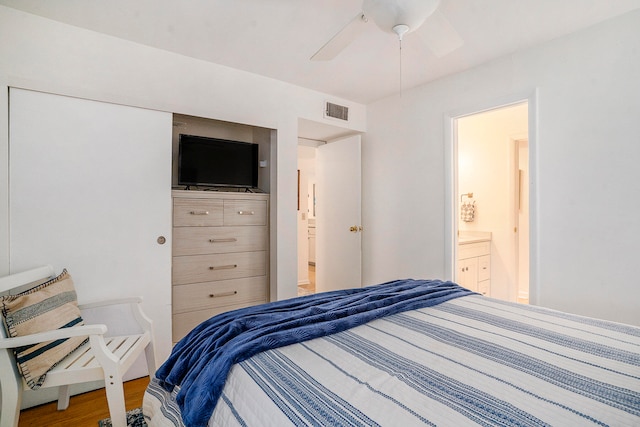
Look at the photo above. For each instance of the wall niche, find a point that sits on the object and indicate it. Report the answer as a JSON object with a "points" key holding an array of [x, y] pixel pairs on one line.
{"points": [[192, 125]]}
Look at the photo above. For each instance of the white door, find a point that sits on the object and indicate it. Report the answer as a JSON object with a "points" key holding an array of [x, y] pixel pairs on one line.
{"points": [[338, 215], [90, 191]]}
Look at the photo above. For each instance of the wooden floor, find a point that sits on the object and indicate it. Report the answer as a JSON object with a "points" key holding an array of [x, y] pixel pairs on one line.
{"points": [[85, 410]]}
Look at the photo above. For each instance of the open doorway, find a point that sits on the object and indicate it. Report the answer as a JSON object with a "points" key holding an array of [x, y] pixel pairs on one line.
{"points": [[329, 208], [491, 200], [307, 150]]}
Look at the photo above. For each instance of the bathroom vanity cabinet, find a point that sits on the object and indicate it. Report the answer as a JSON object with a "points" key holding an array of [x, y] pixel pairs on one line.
{"points": [[474, 262]]}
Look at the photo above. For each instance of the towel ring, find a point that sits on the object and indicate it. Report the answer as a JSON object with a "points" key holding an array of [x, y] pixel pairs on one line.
{"points": [[469, 195]]}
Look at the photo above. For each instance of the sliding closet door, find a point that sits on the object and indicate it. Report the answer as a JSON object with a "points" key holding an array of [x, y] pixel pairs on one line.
{"points": [[90, 191]]}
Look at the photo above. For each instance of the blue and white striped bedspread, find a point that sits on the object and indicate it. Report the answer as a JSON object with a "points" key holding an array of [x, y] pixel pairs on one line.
{"points": [[468, 361]]}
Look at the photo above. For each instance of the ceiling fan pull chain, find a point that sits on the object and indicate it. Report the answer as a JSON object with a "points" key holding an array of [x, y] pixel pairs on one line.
{"points": [[400, 67]]}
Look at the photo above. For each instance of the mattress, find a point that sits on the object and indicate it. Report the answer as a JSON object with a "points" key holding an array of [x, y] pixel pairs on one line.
{"points": [[472, 360]]}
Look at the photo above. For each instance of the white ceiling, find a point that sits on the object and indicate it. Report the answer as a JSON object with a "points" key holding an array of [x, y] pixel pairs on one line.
{"points": [[276, 38]]}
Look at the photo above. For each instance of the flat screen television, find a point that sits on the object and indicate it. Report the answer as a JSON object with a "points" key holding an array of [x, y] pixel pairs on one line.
{"points": [[217, 162]]}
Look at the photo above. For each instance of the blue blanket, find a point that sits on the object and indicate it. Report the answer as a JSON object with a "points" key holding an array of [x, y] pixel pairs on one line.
{"points": [[200, 362]]}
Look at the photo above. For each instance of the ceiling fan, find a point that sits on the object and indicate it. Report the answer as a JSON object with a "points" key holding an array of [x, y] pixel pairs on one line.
{"points": [[400, 17]]}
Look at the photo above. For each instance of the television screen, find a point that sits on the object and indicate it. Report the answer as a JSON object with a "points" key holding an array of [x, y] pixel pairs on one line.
{"points": [[217, 162]]}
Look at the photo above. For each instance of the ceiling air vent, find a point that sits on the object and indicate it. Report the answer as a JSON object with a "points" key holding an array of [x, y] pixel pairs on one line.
{"points": [[336, 111]]}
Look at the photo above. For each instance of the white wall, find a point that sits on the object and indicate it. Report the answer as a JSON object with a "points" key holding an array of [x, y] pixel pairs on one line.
{"points": [[44, 55], [486, 154], [586, 156], [587, 145], [40, 54]]}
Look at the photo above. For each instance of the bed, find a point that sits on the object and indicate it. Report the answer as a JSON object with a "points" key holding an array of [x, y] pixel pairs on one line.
{"points": [[408, 352]]}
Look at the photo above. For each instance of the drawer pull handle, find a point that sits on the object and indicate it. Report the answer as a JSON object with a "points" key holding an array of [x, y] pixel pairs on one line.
{"points": [[223, 267], [246, 213], [223, 294], [199, 212], [230, 240]]}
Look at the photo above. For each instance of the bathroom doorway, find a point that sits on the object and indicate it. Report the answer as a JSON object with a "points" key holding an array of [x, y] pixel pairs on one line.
{"points": [[492, 202]]}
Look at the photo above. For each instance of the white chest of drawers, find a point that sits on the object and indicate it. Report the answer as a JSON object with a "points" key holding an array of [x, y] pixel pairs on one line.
{"points": [[220, 255]]}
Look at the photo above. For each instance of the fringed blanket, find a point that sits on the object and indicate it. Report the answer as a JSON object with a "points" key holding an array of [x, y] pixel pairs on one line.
{"points": [[200, 362]]}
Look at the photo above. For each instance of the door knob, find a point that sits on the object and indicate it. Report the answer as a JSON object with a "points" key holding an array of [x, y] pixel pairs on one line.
{"points": [[353, 229]]}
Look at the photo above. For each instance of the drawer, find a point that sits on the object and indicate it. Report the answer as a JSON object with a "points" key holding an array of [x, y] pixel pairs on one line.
{"points": [[201, 296], [215, 240], [197, 212], [208, 268], [183, 323], [484, 287], [468, 250], [245, 212], [484, 267]]}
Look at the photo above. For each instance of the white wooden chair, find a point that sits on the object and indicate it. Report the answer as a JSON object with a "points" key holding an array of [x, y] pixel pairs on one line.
{"points": [[101, 358]]}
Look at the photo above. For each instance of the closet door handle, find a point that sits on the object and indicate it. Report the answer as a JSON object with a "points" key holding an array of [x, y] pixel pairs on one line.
{"points": [[223, 267], [230, 240], [246, 213], [199, 212]]}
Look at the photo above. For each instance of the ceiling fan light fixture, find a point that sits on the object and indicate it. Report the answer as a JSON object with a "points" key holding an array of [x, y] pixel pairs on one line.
{"points": [[387, 14], [400, 30]]}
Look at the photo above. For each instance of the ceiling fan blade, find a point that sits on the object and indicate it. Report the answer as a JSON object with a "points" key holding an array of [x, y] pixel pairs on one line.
{"points": [[439, 35], [341, 40]]}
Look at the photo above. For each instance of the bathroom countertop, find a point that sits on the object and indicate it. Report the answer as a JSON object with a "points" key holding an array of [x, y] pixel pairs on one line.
{"points": [[473, 236]]}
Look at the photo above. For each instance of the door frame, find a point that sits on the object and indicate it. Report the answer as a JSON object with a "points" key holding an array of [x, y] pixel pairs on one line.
{"points": [[516, 195], [451, 181], [4, 176]]}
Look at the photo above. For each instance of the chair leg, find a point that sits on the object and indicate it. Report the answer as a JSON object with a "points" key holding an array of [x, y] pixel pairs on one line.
{"points": [[10, 409], [115, 398], [63, 397], [150, 356], [10, 395]]}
